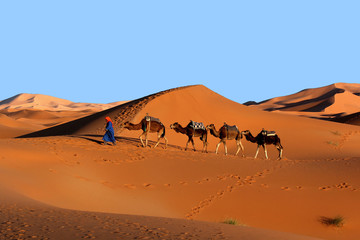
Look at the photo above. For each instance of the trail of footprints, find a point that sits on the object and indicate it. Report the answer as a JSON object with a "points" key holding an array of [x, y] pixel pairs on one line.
{"points": [[239, 182], [345, 137], [340, 186]]}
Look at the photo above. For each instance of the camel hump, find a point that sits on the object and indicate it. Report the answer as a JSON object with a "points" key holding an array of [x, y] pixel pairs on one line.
{"points": [[197, 125], [151, 119], [268, 133], [231, 128]]}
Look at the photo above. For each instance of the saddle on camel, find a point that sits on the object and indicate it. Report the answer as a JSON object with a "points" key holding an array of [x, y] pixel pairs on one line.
{"points": [[149, 125]]}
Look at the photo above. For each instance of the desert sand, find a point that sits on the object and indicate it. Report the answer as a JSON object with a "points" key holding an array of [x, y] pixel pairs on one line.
{"points": [[60, 181]]}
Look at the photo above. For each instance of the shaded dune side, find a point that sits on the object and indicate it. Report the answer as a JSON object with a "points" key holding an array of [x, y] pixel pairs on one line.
{"points": [[317, 104], [331, 101], [94, 124], [353, 119]]}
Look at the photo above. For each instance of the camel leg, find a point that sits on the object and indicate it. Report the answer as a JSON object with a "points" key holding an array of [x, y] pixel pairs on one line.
{"points": [[192, 141], [158, 141], [206, 144], [264, 146], [142, 142], [240, 146], [257, 151], [225, 147], [217, 147], [187, 143], [146, 139], [166, 142], [280, 152]]}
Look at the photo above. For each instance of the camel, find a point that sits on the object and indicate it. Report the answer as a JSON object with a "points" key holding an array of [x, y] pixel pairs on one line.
{"points": [[191, 132], [264, 138], [227, 132], [148, 125]]}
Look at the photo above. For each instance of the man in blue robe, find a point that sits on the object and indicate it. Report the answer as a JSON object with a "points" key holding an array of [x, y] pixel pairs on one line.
{"points": [[109, 136]]}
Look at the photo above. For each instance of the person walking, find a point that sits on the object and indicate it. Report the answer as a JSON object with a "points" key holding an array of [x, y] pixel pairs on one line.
{"points": [[109, 135]]}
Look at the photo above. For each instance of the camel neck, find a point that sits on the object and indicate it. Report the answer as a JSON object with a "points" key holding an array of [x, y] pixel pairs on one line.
{"points": [[132, 126], [181, 129], [214, 132], [250, 137]]}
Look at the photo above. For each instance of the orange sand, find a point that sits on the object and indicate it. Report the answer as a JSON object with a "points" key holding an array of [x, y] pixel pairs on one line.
{"points": [[318, 176]]}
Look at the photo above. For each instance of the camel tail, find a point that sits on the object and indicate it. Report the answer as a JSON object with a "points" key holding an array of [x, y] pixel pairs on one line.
{"points": [[163, 134]]}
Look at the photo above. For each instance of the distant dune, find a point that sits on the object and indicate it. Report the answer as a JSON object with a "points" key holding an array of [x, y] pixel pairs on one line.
{"points": [[328, 102], [33, 112], [45, 102]]}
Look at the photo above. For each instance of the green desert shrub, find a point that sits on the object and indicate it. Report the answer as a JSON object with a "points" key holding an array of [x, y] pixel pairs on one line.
{"points": [[337, 221], [231, 221]]}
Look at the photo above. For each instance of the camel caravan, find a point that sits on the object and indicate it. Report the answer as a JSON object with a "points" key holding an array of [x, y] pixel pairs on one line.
{"points": [[197, 129]]}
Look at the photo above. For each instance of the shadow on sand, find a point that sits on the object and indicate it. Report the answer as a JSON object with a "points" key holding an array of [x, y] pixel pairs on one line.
{"points": [[127, 140]]}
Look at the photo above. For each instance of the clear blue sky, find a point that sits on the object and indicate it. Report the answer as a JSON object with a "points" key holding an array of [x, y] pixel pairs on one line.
{"points": [[106, 51]]}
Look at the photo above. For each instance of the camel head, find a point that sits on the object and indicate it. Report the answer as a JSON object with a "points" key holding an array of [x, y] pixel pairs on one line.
{"points": [[126, 124], [210, 127], [174, 125], [246, 132]]}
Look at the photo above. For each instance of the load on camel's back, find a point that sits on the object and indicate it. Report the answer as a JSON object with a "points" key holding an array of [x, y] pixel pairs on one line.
{"points": [[148, 125]]}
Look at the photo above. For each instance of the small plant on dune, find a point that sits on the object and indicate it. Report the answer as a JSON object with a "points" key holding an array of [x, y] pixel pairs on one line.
{"points": [[337, 221], [336, 144], [231, 221]]}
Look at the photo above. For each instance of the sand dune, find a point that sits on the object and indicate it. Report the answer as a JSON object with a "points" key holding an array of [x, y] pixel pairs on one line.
{"points": [[33, 112], [45, 102], [318, 176], [325, 102]]}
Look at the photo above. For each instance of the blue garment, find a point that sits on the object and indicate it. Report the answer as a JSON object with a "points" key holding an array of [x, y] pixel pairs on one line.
{"points": [[109, 135]]}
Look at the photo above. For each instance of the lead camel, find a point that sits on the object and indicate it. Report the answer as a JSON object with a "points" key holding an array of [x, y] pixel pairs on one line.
{"points": [[264, 138], [148, 127]]}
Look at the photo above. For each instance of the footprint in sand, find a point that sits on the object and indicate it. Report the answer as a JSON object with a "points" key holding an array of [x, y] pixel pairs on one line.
{"points": [[148, 185], [285, 188], [220, 178], [203, 181], [130, 186], [343, 185], [108, 184], [325, 188]]}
